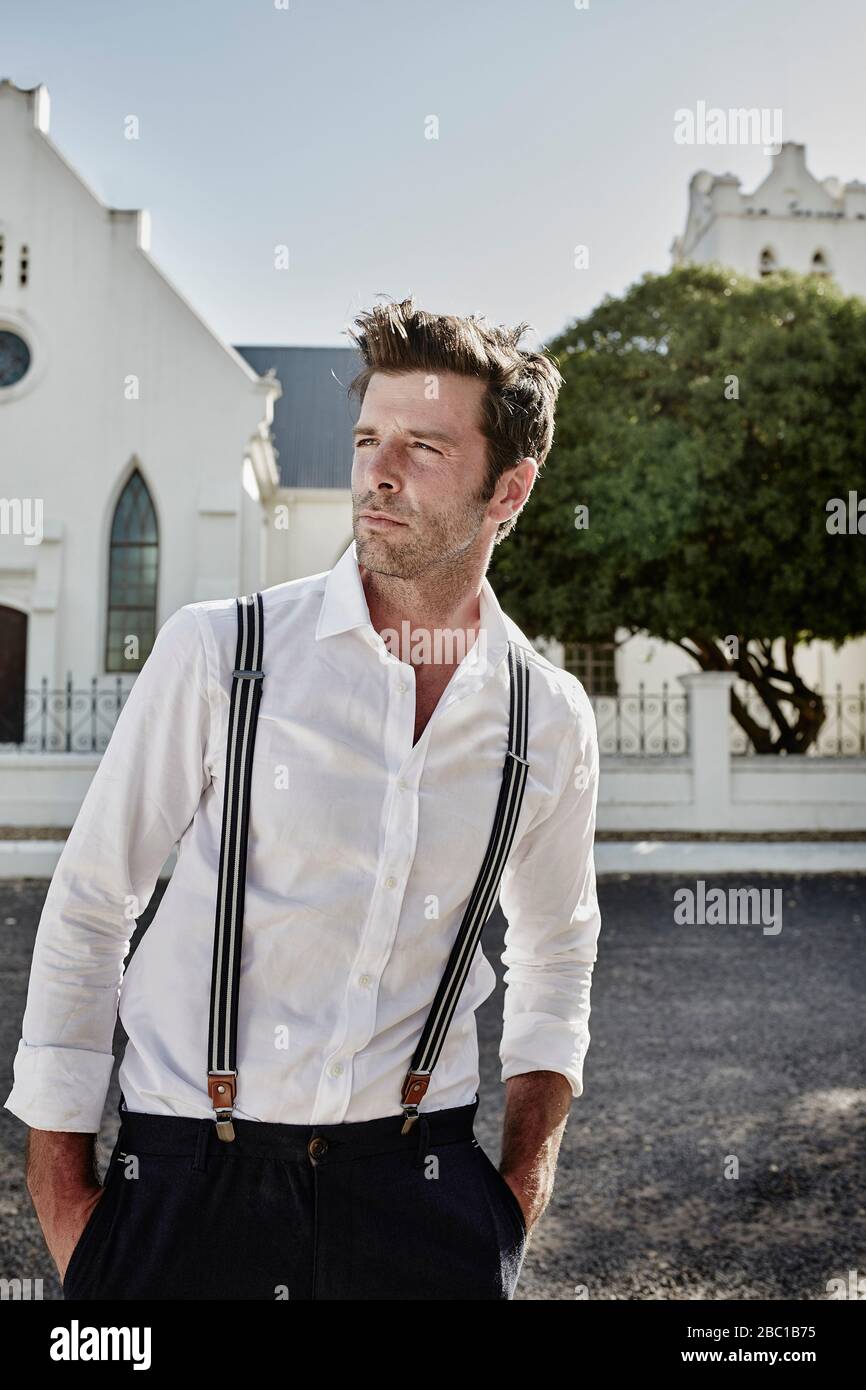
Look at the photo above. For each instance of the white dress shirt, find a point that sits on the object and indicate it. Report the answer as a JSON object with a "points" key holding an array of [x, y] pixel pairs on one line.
{"points": [[363, 851]]}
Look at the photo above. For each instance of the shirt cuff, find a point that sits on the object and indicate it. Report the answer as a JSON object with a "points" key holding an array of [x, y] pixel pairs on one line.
{"points": [[60, 1088], [538, 1042]]}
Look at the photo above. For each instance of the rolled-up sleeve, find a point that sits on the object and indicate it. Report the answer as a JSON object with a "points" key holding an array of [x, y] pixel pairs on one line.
{"points": [[140, 801], [548, 897]]}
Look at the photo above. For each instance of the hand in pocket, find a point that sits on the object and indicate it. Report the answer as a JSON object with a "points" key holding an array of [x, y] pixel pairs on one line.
{"points": [[67, 1230]]}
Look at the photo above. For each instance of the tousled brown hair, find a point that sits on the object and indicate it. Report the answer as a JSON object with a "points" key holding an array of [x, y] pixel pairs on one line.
{"points": [[517, 411]]}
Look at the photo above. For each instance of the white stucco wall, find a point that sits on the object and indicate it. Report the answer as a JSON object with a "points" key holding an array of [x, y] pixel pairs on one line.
{"points": [[307, 530]]}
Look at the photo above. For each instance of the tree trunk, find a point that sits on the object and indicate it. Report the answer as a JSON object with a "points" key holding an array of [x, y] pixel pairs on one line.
{"points": [[795, 713]]}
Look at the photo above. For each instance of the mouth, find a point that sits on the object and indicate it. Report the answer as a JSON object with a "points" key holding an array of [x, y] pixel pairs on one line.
{"points": [[379, 519]]}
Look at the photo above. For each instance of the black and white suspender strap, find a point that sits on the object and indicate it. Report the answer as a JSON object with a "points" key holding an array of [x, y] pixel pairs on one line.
{"points": [[484, 894], [246, 695]]}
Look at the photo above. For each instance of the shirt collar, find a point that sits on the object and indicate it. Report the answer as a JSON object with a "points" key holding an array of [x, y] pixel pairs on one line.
{"points": [[344, 606]]}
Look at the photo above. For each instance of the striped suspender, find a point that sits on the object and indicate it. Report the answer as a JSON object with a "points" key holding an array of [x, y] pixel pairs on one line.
{"points": [[484, 894], [247, 681]]}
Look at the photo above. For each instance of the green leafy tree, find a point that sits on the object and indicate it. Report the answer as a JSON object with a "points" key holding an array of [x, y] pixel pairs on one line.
{"points": [[707, 421]]}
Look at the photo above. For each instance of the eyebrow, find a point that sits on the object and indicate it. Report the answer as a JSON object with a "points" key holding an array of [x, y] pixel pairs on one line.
{"points": [[440, 435]]}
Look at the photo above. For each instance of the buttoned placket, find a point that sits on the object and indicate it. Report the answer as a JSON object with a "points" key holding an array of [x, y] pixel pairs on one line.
{"points": [[399, 838]]}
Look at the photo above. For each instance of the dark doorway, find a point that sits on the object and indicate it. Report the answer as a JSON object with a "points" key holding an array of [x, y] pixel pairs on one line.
{"points": [[13, 666]]}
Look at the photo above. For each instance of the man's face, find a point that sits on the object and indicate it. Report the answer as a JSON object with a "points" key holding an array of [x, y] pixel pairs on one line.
{"points": [[422, 462]]}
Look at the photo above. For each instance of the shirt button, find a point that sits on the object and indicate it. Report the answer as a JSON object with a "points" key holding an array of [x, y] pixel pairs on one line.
{"points": [[337, 1069], [402, 687], [402, 785], [390, 883], [364, 980]]}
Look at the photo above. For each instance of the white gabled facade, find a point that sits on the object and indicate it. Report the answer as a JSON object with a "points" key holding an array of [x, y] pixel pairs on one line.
{"points": [[123, 374], [791, 221]]}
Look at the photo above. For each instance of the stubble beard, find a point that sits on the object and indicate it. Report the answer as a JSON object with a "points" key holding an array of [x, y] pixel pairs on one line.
{"points": [[429, 543]]}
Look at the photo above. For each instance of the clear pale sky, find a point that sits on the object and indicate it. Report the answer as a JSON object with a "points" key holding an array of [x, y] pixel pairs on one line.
{"points": [[305, 127]]}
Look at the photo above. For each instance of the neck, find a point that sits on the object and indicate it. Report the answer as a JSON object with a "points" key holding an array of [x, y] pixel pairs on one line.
{"points": [[434, 601]]}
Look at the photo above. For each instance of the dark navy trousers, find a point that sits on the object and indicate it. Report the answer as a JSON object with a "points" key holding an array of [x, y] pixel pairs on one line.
{"points": [[343, 1211]]}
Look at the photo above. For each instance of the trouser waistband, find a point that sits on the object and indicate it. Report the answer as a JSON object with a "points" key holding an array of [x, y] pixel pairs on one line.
{"points": [[181, 1134]]}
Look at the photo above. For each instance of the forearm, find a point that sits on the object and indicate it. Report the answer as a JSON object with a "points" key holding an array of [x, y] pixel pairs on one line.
{"points": [[64, 1185], [536, 1110], [59, 1164]]}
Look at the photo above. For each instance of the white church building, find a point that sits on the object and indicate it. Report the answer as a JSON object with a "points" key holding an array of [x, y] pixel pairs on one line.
{"points": [[134, 444]]}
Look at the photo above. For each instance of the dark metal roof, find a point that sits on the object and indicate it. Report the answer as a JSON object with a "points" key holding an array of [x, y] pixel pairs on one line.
{"points": [[313, 418]]}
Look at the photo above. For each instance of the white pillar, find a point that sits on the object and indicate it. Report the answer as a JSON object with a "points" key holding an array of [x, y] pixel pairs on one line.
{"points": [[709, 697]]}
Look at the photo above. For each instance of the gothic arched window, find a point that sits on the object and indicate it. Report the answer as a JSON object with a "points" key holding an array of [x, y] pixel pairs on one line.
{"points": [[132, 574], [767, 263]]}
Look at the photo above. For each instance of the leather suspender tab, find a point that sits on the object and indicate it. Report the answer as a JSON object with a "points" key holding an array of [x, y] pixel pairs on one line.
{"points": [[414, 1091], [222, 1089]]}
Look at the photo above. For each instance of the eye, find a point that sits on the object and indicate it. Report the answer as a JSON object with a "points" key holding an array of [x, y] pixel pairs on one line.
{"points": [[360, 442], [419, 444]]}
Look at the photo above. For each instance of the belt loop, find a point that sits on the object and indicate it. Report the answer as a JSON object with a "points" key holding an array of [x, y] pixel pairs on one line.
{"points": [[199, 1162], [423, 1140]]}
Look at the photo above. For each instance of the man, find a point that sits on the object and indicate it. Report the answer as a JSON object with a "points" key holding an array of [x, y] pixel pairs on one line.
{"points": [[378, 756]]}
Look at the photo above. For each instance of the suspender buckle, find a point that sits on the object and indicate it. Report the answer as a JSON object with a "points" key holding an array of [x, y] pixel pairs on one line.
{"points": [[251, 675], [222, 1088], [414, 1091]]}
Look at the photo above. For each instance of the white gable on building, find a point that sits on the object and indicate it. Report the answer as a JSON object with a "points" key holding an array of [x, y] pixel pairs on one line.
{"points": [[135, 449], [791, 221]]}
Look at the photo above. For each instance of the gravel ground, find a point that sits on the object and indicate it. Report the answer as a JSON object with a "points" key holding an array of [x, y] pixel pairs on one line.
{"points": [[709, 1044]]}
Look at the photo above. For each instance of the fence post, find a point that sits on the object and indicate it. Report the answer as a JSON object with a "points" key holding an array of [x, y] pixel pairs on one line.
{"points": [[709, 699]]}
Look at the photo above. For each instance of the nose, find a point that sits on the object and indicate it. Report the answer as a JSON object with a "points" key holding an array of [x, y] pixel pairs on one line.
{"points": [[383, 466]]}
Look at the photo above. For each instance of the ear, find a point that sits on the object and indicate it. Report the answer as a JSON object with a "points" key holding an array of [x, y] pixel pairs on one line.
{"points": [[520, 480], [513, 487]]}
